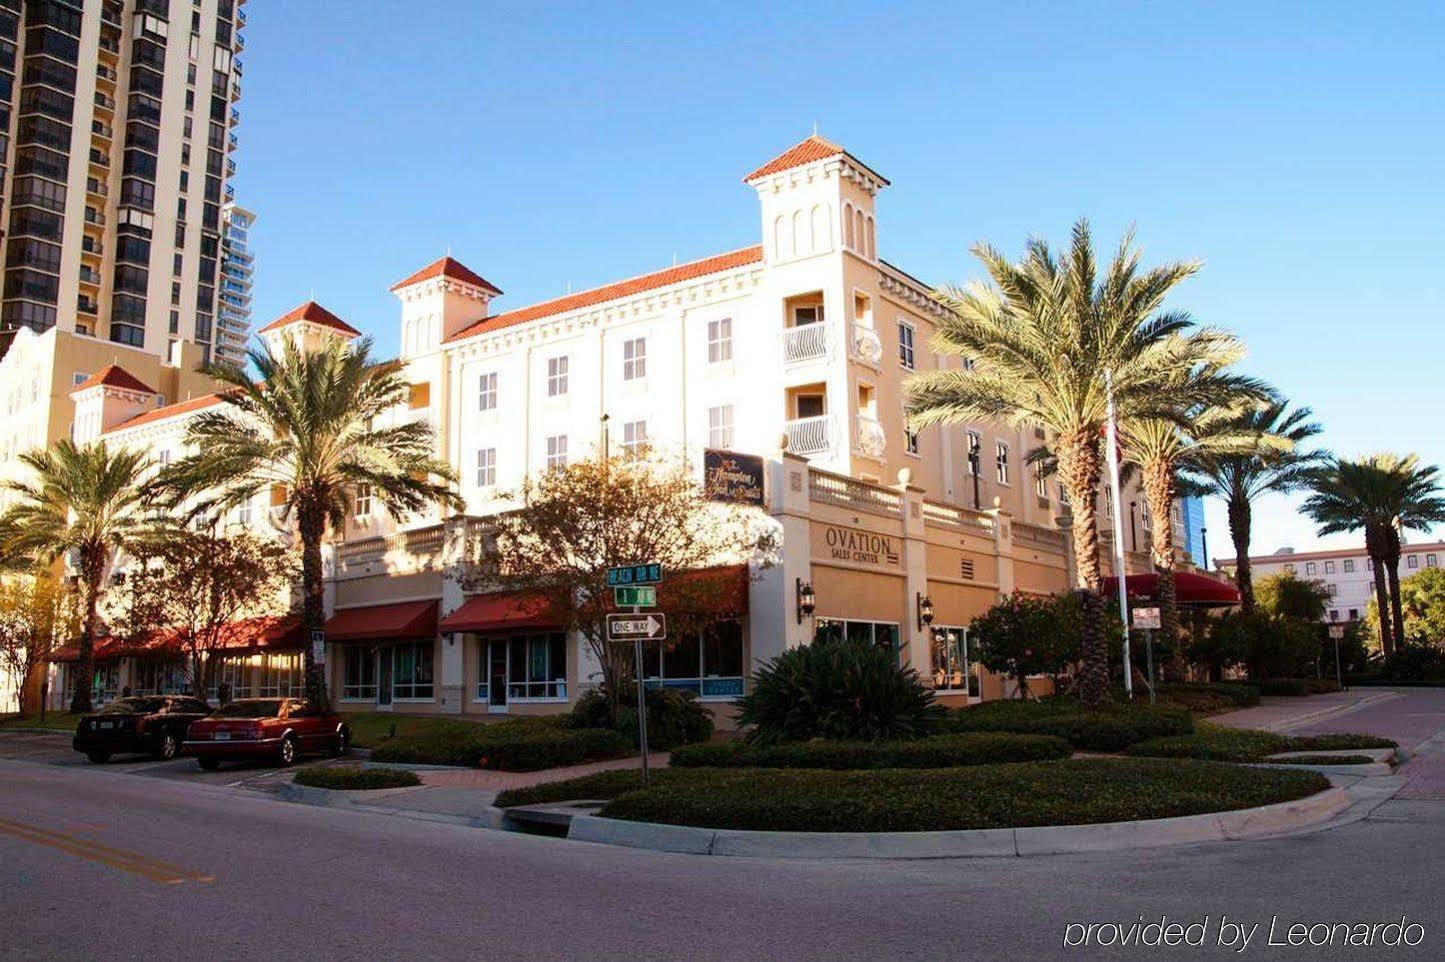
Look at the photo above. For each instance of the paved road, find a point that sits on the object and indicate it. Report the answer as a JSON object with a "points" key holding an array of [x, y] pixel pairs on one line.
{"points": [[98, 864]]}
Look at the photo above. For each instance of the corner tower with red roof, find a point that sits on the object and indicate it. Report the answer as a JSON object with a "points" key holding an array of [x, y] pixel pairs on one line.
{"points": [[440, 300], [107, 398], [309, 324]]}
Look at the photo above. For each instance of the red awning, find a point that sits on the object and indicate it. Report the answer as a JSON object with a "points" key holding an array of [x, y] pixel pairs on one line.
{"points": [[277, 632], [501, 611], [1190, 589], [722, 591], [405, 619]]}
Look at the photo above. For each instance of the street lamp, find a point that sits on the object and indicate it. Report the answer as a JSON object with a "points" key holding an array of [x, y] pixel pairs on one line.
{"points": [[1133, 530], [807, 601], [925, 610], [1204, 545]]}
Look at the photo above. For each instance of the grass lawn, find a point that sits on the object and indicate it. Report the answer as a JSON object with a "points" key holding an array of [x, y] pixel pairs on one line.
{"points": [[1217, 743], [55, 720], [1067, 792]]}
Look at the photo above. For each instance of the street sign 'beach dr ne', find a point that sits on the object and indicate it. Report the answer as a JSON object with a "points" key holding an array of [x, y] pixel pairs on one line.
{"points": [[640, 574]]}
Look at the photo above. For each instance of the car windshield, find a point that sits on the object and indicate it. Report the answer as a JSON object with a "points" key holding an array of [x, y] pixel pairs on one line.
{"points": [[264, 708], [133, 706]]}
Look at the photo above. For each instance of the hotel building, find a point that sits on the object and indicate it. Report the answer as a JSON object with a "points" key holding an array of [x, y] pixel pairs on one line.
{"points": [[1346, 573], [794, 349]]}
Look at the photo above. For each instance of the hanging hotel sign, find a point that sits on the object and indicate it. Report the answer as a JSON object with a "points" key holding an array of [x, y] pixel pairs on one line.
{"points": [[729, 476], [858, 546]]}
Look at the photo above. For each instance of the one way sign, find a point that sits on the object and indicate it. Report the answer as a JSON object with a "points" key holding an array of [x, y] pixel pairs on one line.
{"points": [[648, 627]]}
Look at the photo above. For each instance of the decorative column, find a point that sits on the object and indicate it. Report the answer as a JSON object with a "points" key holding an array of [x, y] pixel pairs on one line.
{"points": [[917, 637], [1003, 547], [773, 622], [451, 676]]}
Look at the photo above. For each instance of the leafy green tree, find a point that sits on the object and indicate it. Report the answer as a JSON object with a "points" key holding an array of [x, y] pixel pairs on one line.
{"points": [[1027, 635], [1278, 464], [1286, 595], [1422, 598], [309, 430], [1382, 494], [85, 501], [1047, 344], [37, 615]]}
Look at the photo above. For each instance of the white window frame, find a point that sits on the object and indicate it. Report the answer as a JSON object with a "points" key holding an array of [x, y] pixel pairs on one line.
{"points": [[907, 338], [1412, 561], [486, 467], [975, 443], [1329, 567], [396, 683], [634, 359], [1348, 566], [634, 437], [910, 439], [487, 392], [1001, 462], [558, 369], [363, 498], [720, 340], [358, 689], [556, 452]]}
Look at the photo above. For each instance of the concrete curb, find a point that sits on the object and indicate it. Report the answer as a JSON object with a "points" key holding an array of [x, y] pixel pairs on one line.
{"points": [[1301, 814], [365, 801]]}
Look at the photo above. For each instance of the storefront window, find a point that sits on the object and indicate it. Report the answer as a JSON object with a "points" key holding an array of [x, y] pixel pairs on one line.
{"points": [[279, 676], [709, 662], [884, 633], [952, 670], [107, 683], [160, 678], [358, 673], [413, 668], [536, 667]]}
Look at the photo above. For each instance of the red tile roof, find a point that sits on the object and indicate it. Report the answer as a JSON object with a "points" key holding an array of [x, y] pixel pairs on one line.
{"points": [[448, 267], [806, 152], [611, 292], [316, 314], [113, 375], [169, 411]]}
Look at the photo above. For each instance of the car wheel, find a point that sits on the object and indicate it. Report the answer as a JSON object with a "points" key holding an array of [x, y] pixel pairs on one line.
{"points": [[287, 754], [98, 757], [167, 748], [343, 741], [209, 764]]}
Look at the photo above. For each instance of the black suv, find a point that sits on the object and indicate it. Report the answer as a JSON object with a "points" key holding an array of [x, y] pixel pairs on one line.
{"points": [[153, 724]]}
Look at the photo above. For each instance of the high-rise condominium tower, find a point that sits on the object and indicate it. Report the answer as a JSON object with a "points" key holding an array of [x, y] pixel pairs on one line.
{"points": [[234, 310], [118, 121]]}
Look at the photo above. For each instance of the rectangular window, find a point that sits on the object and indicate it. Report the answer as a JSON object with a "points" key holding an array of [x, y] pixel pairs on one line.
{"points": [[1413, 561], [557, 376], [634, 437], [949, 660], [634, 359], [536, 667], [1311, 568], [412, 672], [487, 392], [1430, 561], [1349, 565], [1000, 460], [1329, 567], [556, 452], [910, 438], [812, 314], [905, 345], [363, 501], [708, 662], [720, 426], [1041, 484], [486, 467], [720, 340], [359, 674], [883, 634], [975, 453]]}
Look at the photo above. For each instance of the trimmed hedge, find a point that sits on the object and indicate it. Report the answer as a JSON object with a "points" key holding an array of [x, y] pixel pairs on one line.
{"points": [[1323, 760], [1107, 729], [939, 751], [354, 778], [675, 716], [1297, 687], [1210, 696], [518, 745], [1216, 743], [1068, 792]]}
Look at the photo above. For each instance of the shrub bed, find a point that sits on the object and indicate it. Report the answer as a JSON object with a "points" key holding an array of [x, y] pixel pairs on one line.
{"points": [[1107, 729], [519, 745], [1216, 743], [1069, 792], [674, 716], [1210, 696], [1297, 687], [940, 751], [1324, 760], [354, 778]]}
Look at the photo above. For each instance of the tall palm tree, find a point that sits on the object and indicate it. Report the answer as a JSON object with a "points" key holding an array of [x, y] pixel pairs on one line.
{"points": [[87, 500], [1383, 494], [307, 431], [1048, 341], [1161, 447], [1238, 478]]}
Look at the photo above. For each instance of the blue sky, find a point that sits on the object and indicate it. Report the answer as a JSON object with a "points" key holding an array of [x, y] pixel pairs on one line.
{"points": [[1295, 148]]}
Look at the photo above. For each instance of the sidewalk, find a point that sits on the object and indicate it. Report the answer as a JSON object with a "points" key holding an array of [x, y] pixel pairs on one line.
{"points": [[1277, 713]]}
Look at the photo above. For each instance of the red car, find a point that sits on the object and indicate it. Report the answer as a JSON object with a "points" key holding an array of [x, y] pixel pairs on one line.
{"points": [[274, 728]]}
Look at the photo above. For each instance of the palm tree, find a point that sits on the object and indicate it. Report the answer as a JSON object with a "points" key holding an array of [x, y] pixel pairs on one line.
{"points": [[1048, 342], [1383, 494], [309, 432], [1238, 478], [87, 500], [1160, 448]]}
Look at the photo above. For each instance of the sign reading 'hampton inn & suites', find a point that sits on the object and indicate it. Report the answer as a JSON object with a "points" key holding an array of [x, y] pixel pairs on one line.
{"points": [[856, 546], [729, 476]]}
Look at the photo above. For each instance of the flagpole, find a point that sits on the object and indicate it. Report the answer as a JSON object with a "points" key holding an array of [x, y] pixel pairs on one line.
{"points": [[1112, 442]]}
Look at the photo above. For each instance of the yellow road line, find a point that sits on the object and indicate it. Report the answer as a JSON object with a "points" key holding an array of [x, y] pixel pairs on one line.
{"points": [[126, 861]]}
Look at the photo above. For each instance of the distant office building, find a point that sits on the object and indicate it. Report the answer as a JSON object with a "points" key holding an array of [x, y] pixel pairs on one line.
{"points": [[234, 310], [1346, 573], [1191, 529], [122, 118]]}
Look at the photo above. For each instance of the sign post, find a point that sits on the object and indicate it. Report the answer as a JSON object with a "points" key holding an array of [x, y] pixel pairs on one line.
{"points": [[1336, 633], [1147, 620], [632, 588]]}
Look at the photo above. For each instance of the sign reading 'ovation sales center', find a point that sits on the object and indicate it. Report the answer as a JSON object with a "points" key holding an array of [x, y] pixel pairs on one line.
{"points": [[857, 546]]}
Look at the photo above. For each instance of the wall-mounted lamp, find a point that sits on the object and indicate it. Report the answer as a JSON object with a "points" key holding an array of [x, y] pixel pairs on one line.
{"points": [[925, 611], [807, 601]]}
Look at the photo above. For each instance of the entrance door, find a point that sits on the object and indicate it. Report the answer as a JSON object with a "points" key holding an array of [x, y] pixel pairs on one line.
{"points": [[497, 674], [383, 677]]}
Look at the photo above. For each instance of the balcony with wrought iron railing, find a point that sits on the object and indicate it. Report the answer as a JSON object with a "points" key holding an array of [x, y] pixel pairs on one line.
{"points": [[812, 436], [805, 343]]}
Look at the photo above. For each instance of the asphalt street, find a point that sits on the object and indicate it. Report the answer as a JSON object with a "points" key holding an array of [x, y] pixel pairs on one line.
{"points": [[106, 863]]}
